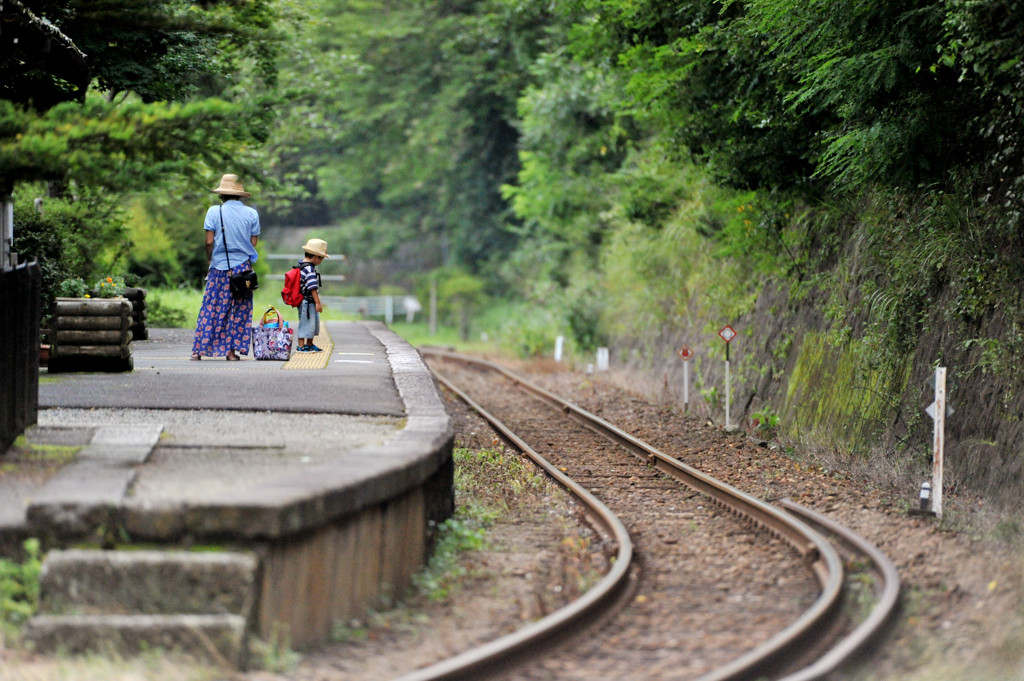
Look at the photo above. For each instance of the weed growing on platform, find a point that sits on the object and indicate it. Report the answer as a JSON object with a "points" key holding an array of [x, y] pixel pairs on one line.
{"points": [[443, 572], [19, 589], [24, 451], [276, 654], [487, 483]]}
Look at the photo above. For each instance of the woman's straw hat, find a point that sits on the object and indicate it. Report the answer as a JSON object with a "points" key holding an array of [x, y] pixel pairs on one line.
{"points": [[230, 186], [316, 247]]}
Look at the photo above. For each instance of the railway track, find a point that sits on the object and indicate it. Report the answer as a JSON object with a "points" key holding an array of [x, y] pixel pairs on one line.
{"points": [[679, 601]]}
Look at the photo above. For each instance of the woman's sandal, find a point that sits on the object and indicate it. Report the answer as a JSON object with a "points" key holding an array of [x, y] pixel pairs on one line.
{"points": [[232, 358], [196, 358]]}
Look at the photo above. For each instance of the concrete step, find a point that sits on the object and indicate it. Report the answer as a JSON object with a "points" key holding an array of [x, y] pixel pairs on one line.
{"points": [[125, 602], [218, 639], [81, 582]]}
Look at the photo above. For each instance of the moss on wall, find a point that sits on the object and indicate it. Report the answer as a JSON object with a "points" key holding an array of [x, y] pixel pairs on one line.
{"points": [[834, 396]]}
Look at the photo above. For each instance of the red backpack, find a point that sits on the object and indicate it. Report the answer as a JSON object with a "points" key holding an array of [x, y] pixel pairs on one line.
{"points": [[291, 294]]}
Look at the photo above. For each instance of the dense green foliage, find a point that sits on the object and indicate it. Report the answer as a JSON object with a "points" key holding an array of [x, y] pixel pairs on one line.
{"points": [[160, 73], [176, 94], [406, 121], [19, 587], [616, 171], [517, 138]]}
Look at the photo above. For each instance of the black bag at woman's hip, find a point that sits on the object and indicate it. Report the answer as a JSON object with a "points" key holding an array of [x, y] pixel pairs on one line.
{"points": [[243, 284]]}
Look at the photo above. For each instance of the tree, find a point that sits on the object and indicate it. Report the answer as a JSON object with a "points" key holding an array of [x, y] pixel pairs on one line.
{"points": [[165, 50], [408, 118], [179, 87], [149, 63], [460, 294], [38, 60]]}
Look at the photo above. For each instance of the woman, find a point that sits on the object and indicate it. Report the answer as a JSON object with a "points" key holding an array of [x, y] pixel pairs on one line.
{"points": [[224, 327]]}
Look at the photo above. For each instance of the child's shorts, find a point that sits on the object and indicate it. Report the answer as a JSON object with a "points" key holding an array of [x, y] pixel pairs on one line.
{"points": [[309, 320]]}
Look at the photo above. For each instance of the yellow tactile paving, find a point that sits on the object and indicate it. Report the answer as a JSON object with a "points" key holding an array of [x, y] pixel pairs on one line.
{"points": [[312, 360]]}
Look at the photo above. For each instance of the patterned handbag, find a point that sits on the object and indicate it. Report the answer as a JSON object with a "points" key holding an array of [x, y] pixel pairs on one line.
{"points": [[272, 339]]}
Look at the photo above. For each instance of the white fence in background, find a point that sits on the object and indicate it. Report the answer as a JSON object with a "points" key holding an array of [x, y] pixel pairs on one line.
{"points": [[362, 306], [375, 306]]}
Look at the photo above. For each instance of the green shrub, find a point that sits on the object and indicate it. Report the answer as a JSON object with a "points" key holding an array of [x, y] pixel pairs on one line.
{"points": [[19, 588], [164, 316], [765, 422], [72, 287], [69, 237], [527, 330], [170, 308]]}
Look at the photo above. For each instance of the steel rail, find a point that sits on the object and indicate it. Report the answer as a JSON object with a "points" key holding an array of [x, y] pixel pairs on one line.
{"points": [[885, 607], [599, 600], [816, 551], [765, 659]]}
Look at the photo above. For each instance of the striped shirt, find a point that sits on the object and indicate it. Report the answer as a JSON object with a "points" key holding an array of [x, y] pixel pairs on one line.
{"points": [[310, 279]]}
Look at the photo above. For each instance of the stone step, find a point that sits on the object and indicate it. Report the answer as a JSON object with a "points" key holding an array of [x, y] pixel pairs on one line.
{"points": [[218, 639], [82, 582]]}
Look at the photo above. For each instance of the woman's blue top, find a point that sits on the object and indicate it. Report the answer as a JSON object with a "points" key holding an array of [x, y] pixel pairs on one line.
{"points": [[240, 224]]}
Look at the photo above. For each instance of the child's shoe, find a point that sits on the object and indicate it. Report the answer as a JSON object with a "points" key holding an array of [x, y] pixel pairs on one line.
{"points": [[313, 348]]}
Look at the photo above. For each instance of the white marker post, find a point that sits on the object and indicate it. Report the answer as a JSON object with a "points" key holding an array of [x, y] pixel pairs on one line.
{"points": [[559, 343], [727, 335], [602, 359], [433, 307], [686, 353], [937, 410]]}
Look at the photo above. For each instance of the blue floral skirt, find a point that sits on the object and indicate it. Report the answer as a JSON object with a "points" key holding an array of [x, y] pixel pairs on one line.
{"points": [[224, 323]]}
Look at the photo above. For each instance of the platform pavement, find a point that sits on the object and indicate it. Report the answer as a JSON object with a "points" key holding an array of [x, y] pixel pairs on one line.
{"points": [[251, 448], [352, 376]]}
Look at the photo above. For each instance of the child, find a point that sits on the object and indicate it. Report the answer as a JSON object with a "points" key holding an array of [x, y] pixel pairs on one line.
{"points": [[310, 308]]}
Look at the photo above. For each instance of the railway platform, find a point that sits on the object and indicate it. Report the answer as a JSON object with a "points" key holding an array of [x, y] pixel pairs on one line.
{"points": [[327, 470]]}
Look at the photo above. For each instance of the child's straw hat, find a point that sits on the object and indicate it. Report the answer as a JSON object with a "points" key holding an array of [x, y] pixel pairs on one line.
{"points": [[316, 247]]}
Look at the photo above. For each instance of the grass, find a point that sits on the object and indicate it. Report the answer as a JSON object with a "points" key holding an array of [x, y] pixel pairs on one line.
{"points": [[178, 307], [153, 664], [418, 334], [487, 483], [19, 589]]}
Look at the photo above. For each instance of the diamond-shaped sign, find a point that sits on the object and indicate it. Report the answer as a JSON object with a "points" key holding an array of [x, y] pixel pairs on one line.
{"points": [[931, 411], [727, 333], [685, 352]]}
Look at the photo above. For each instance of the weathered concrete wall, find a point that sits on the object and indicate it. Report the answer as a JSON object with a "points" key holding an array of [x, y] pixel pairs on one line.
{"points": [[338, 571]]}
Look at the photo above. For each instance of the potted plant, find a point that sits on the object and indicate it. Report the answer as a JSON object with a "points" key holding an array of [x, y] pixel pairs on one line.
{"points": [[109, 287], [91, 326]]}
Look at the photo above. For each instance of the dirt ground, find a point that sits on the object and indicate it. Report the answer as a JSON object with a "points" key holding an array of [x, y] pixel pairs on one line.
{"points": [[962, 575], [962, 606], [962, 614]]}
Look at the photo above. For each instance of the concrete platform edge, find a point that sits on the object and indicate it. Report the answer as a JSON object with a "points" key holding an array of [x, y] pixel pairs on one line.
{"points": [[368, 476], [330, 540]]}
